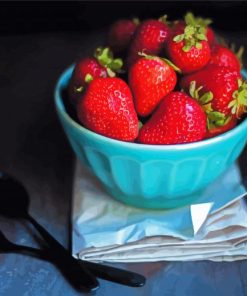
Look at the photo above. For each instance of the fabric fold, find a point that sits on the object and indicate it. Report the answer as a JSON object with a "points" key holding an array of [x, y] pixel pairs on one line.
{"points": [[215, 228]]}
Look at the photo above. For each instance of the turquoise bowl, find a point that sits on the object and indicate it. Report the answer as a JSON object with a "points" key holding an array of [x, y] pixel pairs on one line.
{"points": [[151, 176]]}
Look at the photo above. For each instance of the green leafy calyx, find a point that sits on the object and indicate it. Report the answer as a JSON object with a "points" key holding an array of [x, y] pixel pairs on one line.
{"points": [[88, 78], [196, 21], [214, 118], [106, 59], [238, 105], [192, 36], [194, 33], [204, 99]]}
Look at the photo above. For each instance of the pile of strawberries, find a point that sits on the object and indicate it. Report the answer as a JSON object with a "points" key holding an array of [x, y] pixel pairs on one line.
{"points": [[174, 83]]}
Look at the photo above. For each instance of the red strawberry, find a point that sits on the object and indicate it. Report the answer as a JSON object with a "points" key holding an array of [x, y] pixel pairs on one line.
{"points": [[217, 122], [189, 50], [178, 27], [121, 33], [100, 66], [224, 84], [150, 37], [178, 119], [150, 78], [223, 56], [86, 66], [107, 108], [210, 36]]}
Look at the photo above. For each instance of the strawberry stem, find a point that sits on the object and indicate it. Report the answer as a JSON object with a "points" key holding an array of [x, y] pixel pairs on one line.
{"points": [[239, 55], [171, 65], [163, 19], [150, 57], [136, 21], [194, 21], [143, 54], [110, 72]]}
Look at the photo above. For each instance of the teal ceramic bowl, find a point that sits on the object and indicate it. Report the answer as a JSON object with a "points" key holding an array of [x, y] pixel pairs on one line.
{"points": [[151, 176]]}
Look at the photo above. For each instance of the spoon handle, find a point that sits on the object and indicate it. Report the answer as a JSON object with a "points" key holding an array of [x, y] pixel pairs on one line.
{"points": [[117, 275], [106, 272], [82, 277]]}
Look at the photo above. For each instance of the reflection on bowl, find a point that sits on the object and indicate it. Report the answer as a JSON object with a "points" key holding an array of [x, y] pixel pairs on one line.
{"points": [[151, 176]]}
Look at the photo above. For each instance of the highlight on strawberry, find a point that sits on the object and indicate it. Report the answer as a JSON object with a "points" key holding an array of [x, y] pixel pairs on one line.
{"points": [[176, 82]]}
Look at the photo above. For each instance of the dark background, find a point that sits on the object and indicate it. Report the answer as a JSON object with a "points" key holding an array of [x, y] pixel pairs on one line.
{"points": [[29, 17]]}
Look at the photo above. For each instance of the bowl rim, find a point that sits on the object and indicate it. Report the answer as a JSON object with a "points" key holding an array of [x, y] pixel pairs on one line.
{"points": [[63, 80]]}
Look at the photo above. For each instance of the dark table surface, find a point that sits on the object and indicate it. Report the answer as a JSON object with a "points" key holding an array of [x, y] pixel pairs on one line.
{"points": [[34, 149]]}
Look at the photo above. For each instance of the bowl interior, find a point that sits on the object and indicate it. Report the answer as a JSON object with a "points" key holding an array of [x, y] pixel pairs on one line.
{"points": [[62, 110]]}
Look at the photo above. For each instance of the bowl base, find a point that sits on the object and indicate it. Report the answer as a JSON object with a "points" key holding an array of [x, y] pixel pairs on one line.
{"points": [[161, 203]]}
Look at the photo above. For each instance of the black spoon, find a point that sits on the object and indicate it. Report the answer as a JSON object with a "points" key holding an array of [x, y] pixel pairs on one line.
{"points": [[13, 192], [105, 272], [14, 203]]}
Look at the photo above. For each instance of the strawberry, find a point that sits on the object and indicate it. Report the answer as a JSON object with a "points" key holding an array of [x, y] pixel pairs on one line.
{"points": [[102, 65], [178, 119], [121, 33], [217, 122], [188, 47], [223, 56], [107, 108], [210, 36], [150, 37], [150, 79], [86, 66], [228, 92]]}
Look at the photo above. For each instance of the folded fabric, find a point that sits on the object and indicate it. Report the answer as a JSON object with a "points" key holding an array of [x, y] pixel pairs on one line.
{"points": [[214, 228]]}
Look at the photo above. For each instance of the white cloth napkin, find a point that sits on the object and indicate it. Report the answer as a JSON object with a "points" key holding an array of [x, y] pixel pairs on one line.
{"points": [[215, 228]]}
